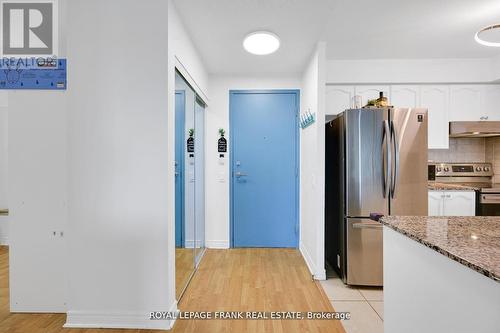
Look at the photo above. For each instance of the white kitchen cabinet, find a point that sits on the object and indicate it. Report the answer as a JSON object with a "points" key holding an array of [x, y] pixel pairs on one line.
{"points": [[436, 201], [436, 100], [372, 92], [490, 103], [445, 103], [465, 102], [338, 99], [403, 96], [452, 203]]}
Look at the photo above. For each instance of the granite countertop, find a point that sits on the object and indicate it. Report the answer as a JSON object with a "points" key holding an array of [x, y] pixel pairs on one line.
{"points": [[471, 241], [436, 186]]}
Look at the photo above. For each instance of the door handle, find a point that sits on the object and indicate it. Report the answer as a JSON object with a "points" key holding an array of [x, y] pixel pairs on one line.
{"points": [[240, 174], [367, 226], [386, 158], [395, 169], [490, 199]]}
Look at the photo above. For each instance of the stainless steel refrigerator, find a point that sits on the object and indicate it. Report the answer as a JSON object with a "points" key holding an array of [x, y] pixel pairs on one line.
{"points": [[376, 163]]}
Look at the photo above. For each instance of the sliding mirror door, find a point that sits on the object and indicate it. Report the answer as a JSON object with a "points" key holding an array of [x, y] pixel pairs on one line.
{"points": [[189, 182], [199, 186], [184, 184]]}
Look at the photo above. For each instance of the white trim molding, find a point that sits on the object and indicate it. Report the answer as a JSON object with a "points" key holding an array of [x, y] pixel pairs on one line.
{"points": [[35, 308], [318, 274], [189, 244], [119, 320], [217, 244]]}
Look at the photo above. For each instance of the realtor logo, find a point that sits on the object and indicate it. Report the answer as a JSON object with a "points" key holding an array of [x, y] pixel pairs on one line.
{"points": [[29, 28]]}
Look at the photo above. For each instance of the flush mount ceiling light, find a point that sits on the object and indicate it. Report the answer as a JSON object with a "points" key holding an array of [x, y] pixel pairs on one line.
{"points": [[489, 36], [261, 43]]}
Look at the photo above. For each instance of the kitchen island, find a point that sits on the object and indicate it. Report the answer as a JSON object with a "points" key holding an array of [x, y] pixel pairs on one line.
{"points": [[441, 274]]}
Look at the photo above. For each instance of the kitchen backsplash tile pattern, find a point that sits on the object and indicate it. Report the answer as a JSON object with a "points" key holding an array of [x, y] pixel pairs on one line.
{"points": [[462, 150], [492, 153]]}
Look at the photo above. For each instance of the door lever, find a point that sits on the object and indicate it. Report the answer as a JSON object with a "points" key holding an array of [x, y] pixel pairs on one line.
{"points": [[240, 174]]}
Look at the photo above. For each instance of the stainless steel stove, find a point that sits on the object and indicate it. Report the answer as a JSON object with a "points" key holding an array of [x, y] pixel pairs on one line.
{"points": [[474, 175]]}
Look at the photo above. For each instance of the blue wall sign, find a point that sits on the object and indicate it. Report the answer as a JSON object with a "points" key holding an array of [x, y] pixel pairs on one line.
{"points": [[20, 77]]}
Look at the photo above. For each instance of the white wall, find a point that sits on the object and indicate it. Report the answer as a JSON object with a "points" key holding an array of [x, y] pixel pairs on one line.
{"points": [[4, 220], [495, 68], [217, 179], [118, 226], [185, 55], [37, 147], [312, 163], [37, 200], [94, 164], [412, 71]]}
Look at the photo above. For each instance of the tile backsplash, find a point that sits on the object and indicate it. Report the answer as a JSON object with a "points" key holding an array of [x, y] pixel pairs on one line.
{"points": [[462, 150], [492, 153]]}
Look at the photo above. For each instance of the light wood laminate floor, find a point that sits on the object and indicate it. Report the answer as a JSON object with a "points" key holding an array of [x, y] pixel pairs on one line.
{"points": [[227, 280], [184, 267]]}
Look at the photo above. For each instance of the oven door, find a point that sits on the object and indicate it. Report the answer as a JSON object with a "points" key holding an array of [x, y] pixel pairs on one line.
{"points": [[488, 204]]}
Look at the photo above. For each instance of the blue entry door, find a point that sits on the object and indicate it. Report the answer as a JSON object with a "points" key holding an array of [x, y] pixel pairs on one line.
{"points": [[179, 167], [264, 157]]}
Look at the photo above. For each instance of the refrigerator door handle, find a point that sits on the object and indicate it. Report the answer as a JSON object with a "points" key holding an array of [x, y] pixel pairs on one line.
{"points": [[386, 158], [395, 168], [367, 226]]}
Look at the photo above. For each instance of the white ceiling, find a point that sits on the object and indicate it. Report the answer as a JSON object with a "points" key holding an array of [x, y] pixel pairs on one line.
{"points": [[353, 30], [410, 29]]}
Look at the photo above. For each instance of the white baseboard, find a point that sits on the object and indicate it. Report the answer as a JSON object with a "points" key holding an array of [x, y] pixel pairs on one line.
{"points": [[189, 244], [4, 240], [217, 244], [118, 320], [318, 274], [20, 308]]}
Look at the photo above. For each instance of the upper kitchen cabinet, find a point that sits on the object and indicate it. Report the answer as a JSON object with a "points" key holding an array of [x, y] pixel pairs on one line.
{"points": [[338, 99], [465, 103], [371, 92], [403, 96], [490, 104], [436, 100]]}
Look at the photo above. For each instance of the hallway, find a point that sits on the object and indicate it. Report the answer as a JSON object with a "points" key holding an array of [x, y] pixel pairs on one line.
{"points": [[227, 280], [254, 279]]}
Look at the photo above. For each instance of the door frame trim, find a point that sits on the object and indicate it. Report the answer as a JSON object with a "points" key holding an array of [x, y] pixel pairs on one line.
{"points": [[296, 93]]}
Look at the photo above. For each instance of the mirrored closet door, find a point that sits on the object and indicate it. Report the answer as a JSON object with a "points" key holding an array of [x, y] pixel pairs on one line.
{"points": [[199, 121], [189, 183]]}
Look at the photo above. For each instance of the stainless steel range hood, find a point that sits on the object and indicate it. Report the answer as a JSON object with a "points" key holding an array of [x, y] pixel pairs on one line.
{"points": [[474, 129]]}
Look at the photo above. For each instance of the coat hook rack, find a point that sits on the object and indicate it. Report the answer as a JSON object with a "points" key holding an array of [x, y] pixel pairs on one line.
{"points": [[307, 119]]}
